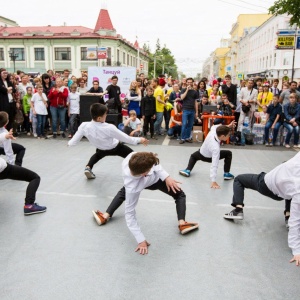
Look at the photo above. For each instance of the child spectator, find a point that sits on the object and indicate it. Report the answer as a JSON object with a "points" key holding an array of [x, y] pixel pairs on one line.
{"points": [[33, 121], [148, 110], [7, 147], [273, 121], [175, 121], [26, 108], [132, 126], [39, 108], [73, 109], [291, 114]]}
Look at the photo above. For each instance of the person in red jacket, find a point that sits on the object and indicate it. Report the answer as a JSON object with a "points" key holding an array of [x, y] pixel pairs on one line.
{"points": [[58, 106]]}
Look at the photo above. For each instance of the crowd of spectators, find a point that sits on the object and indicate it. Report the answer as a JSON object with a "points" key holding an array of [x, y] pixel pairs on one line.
{"points": [[49, 104]]}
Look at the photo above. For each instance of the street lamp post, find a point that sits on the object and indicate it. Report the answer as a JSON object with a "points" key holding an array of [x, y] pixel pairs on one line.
{"points": [[13, 55]]}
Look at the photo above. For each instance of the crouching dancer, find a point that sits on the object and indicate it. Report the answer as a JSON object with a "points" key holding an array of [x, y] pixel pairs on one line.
{"points": [[283, 182], [15, 172], [142, 171]]}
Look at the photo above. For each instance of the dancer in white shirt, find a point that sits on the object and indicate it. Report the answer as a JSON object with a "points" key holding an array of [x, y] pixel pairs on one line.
{"points": [[283, 182], [19, 173], [141, 170], [210, 152], [105, 137]]}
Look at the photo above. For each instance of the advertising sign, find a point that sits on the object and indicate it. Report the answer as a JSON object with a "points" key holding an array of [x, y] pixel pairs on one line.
{"points": [[102, 53], [125, 74], [91, 53], [285, 42]]}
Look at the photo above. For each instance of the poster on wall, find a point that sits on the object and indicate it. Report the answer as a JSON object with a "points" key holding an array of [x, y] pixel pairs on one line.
{"points": [[125, 74]]}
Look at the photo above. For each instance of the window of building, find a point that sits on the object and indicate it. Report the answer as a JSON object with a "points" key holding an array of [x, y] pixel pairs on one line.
{"points": [[39, 54], [287, 59], [108, 61], [124, 58], [127, 59], [83, 54], [63, 53], [267, 62], [1, 54], [20, 53], [118, 55]]}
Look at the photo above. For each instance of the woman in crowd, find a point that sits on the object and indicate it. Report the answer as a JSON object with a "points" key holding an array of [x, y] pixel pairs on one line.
{"points": [[134, 96], [201, 89], [265, 97], [82, 88], [215, 96]]}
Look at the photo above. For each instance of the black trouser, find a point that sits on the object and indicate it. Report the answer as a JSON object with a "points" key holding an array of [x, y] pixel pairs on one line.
{"points": [[226, 154], [179, 197], [23, 174], [26, 123], [19, 150], [148, 120], [121, 150], [254, 182], [167, 117]]}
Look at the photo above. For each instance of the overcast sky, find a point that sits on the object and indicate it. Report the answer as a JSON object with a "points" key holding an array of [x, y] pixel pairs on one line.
{"points": [[191, 29]]}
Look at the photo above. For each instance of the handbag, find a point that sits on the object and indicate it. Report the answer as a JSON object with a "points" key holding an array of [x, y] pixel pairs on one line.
{"points": [[246, 108]]}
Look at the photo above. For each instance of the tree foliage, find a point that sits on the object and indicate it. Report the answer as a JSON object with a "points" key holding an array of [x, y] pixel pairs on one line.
{"points": [[164, 61], [290, 7]]}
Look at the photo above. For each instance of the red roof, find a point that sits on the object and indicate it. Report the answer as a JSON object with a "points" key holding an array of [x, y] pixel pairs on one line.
{"points": [[104, 21], [47, 29]]}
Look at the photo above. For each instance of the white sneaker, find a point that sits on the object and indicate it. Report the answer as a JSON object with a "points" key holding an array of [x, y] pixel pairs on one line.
{"points": [[295, 146], [28, 133], [287, 146], [35, 135]]}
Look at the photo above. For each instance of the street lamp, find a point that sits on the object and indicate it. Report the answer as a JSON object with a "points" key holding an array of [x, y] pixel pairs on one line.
{"points": [[163, 68], [13, 55], [154, 69]]}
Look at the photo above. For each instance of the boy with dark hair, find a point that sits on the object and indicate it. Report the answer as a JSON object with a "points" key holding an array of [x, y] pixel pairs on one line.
{"points": [[114, 92], [283, 182], [230, 90], [148, 111], [210, 152], [141, 170], [105, 137], [8, 171], [7, 147]]}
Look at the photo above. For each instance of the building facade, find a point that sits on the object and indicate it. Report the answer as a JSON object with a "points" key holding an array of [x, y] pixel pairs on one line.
{"points": [[258, 56], [38, 49]]}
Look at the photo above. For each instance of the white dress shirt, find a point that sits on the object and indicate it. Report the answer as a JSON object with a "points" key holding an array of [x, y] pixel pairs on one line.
{"points": [[133, 187], [249, 95], [284, 181], [103, 136], [6, 144], [211, 149], [3, 163]]}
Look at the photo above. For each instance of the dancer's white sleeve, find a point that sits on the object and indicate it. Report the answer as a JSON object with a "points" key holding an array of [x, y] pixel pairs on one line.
{"points": [[294, 225], [130, 216]]}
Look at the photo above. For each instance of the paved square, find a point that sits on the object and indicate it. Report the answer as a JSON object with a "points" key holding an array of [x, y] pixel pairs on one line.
{"points": [[64, 254]]}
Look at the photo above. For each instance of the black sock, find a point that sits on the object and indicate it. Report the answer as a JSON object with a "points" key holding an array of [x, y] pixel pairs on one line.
{"points": [[239, 209]]}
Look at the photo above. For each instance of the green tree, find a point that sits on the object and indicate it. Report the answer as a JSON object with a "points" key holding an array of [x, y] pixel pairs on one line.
{"points": [[164, 62], [290, 7]]}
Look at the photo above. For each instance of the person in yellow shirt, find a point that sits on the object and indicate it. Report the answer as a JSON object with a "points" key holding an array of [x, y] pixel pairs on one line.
{"points": [[265, 97], [160, 103]]}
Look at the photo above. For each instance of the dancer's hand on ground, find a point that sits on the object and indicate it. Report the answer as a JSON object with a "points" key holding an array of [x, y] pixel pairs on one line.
{"points": [[296, 258], [144, 141], [142, 247], [173, 184], [214, 185], [9, 135]]}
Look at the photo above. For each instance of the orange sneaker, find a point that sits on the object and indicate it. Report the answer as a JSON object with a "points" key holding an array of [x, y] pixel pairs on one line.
{"points": [[98, 216], [187, 227]]}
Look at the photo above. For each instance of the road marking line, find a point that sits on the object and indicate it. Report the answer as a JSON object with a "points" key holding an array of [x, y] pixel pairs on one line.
{"points": [[166, 141], [68, 194]]}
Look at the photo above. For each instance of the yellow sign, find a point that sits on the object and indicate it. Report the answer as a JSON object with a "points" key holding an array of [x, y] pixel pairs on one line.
{"points": [[285, 42]]}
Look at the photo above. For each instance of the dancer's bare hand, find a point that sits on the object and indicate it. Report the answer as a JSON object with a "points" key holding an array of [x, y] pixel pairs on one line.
{"points": [[9, 135], [144, 141], [296, 259], [143, 247], [214, 185], [173, 184]]}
